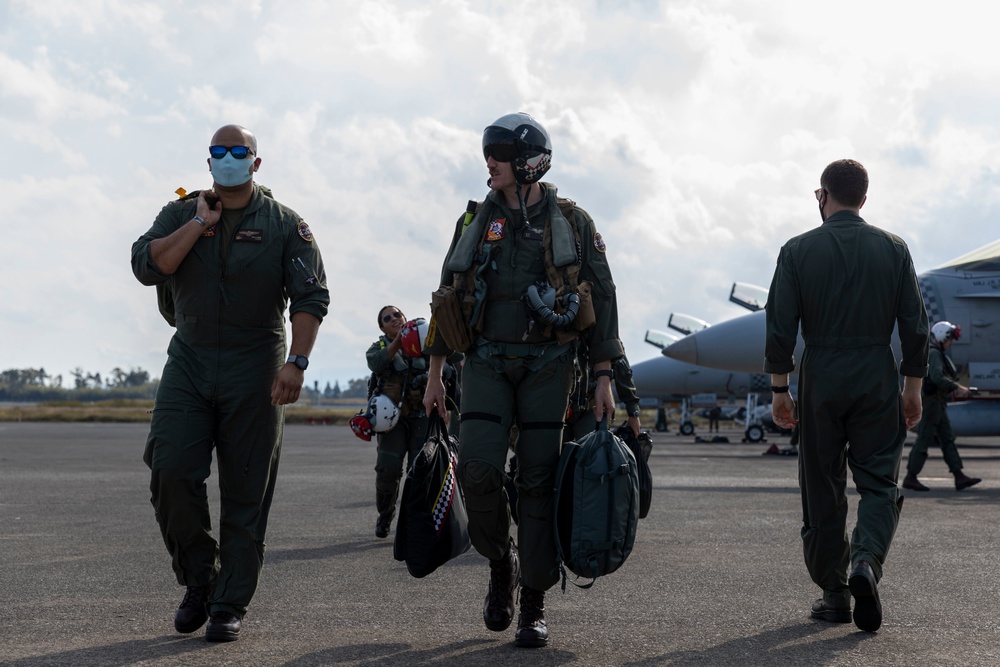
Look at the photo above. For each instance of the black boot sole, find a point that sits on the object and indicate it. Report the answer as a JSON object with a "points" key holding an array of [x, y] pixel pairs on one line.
{"points": [[531, 641]]}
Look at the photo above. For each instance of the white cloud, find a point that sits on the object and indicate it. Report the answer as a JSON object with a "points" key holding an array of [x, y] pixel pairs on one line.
{"points": [[694, 132]]}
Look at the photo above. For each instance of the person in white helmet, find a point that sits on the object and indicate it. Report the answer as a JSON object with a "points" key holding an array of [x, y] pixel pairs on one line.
{"points": [[941, 380]]}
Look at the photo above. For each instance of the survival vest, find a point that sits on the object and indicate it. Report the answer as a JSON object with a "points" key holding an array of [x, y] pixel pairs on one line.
{"points": [[458, 309]]}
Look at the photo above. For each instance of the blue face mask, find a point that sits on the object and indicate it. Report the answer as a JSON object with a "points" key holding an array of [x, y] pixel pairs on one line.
{"points": [[230, 172]]}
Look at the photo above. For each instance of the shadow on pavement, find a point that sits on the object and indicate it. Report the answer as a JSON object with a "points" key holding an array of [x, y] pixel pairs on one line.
{"points": [[779, 646]]}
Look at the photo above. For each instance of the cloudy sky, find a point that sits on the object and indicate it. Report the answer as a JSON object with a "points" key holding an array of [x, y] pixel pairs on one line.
{"points": [[693, 131]]}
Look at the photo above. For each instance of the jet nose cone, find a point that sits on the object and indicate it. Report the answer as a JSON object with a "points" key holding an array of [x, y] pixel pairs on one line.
{"points": [[686, 350]]}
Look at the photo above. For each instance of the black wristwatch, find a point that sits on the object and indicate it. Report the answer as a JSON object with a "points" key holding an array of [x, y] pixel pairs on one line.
{"points": [[632, 409], [301, 361], [779, 390]]}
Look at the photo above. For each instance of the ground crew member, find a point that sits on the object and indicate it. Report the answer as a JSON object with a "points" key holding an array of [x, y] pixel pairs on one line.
{"points": [[402, 378], [941, 380], [531, 275], [713, 418], [847, 283], [225, 262]]}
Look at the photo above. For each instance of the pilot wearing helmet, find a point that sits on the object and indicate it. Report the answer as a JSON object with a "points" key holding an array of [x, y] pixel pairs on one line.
{"points": [[941, 380], [525, 278]]}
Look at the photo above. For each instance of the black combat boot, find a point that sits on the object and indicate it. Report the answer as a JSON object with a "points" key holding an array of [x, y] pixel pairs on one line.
{"points": [[963, 481], [531, 629], [224, 627], [505, 575], [385, 503], [912, 483], [193, 611]]}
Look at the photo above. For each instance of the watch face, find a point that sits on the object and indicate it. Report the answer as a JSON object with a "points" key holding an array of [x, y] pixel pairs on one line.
{"points": [[301, 361]]}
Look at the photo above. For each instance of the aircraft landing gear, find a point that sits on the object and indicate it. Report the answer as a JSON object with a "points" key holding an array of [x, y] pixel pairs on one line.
{"points": [[754, 431], [687, 428], [661, 419]]}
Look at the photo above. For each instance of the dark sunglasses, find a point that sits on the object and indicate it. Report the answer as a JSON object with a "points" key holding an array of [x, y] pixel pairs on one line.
{"points": [[239, 152], [501, 152], [389, 318]]}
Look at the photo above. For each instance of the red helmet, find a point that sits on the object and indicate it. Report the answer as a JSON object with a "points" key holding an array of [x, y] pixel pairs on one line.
{"points": [[362, 427], [414, 335]]}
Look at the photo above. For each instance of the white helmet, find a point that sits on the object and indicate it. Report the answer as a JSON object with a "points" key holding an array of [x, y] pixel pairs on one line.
{"points": [[382, 413], [943, 331]]}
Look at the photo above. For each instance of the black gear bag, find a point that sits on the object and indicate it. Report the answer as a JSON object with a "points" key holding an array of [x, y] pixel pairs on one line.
{"points": [[596, 505], [433, 522]]}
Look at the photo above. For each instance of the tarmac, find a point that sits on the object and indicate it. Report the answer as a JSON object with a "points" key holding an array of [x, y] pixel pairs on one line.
{"points": [[716, 576]]}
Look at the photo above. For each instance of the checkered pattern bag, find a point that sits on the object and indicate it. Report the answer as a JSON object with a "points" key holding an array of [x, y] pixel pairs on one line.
{"points": [[433, 523]]}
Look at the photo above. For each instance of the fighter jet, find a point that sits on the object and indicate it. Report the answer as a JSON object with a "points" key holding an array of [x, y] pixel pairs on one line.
{"points": [[666, 379], [964, 291]]}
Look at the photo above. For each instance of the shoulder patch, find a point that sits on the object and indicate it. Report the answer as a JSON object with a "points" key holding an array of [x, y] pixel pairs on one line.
{"points": [[305, 232], [599, 242]]}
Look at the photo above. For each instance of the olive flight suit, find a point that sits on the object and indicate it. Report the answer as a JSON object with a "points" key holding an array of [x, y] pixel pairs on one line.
{"points": [[215, 391], [942, 379], [518, 374], [403, 379], [847, 283]]}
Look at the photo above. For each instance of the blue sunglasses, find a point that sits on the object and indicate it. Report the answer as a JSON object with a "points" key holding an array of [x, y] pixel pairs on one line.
{"points": [[239, 152]]}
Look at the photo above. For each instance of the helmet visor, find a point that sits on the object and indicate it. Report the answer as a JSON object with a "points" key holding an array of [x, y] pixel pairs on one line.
{"points": [[500, 144]]}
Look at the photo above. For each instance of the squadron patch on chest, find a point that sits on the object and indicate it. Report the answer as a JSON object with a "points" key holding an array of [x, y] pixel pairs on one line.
{"points": [[599, 243], [495, 230], [210, 231], [305, 232], [251, 235]]}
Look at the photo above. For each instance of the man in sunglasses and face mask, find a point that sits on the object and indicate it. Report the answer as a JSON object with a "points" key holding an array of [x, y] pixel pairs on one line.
{"points": [[226, 263], [535, 279]]}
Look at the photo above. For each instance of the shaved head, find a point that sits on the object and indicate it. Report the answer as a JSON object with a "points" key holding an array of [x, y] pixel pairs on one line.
{"points": [[235, 135]]}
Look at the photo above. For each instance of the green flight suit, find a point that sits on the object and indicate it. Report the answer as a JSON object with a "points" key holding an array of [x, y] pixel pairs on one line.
{"points": [[403, 379], [847, 283], [215, 391], [934, 424], [513, 378]]}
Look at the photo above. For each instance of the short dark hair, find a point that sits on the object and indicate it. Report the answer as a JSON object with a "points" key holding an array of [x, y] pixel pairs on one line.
{"points": [[382, 310], [846, 181]]}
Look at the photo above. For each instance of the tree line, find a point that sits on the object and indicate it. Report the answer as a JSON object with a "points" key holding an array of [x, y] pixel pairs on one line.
{"points": [[35, 384]]}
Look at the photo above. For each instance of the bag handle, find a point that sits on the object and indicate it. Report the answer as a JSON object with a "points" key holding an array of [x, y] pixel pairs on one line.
{"points": [[603, 424], [436, 426]]}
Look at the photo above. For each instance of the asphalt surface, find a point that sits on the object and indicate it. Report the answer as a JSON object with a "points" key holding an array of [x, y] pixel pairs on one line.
{"points": [[716, 577]]}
